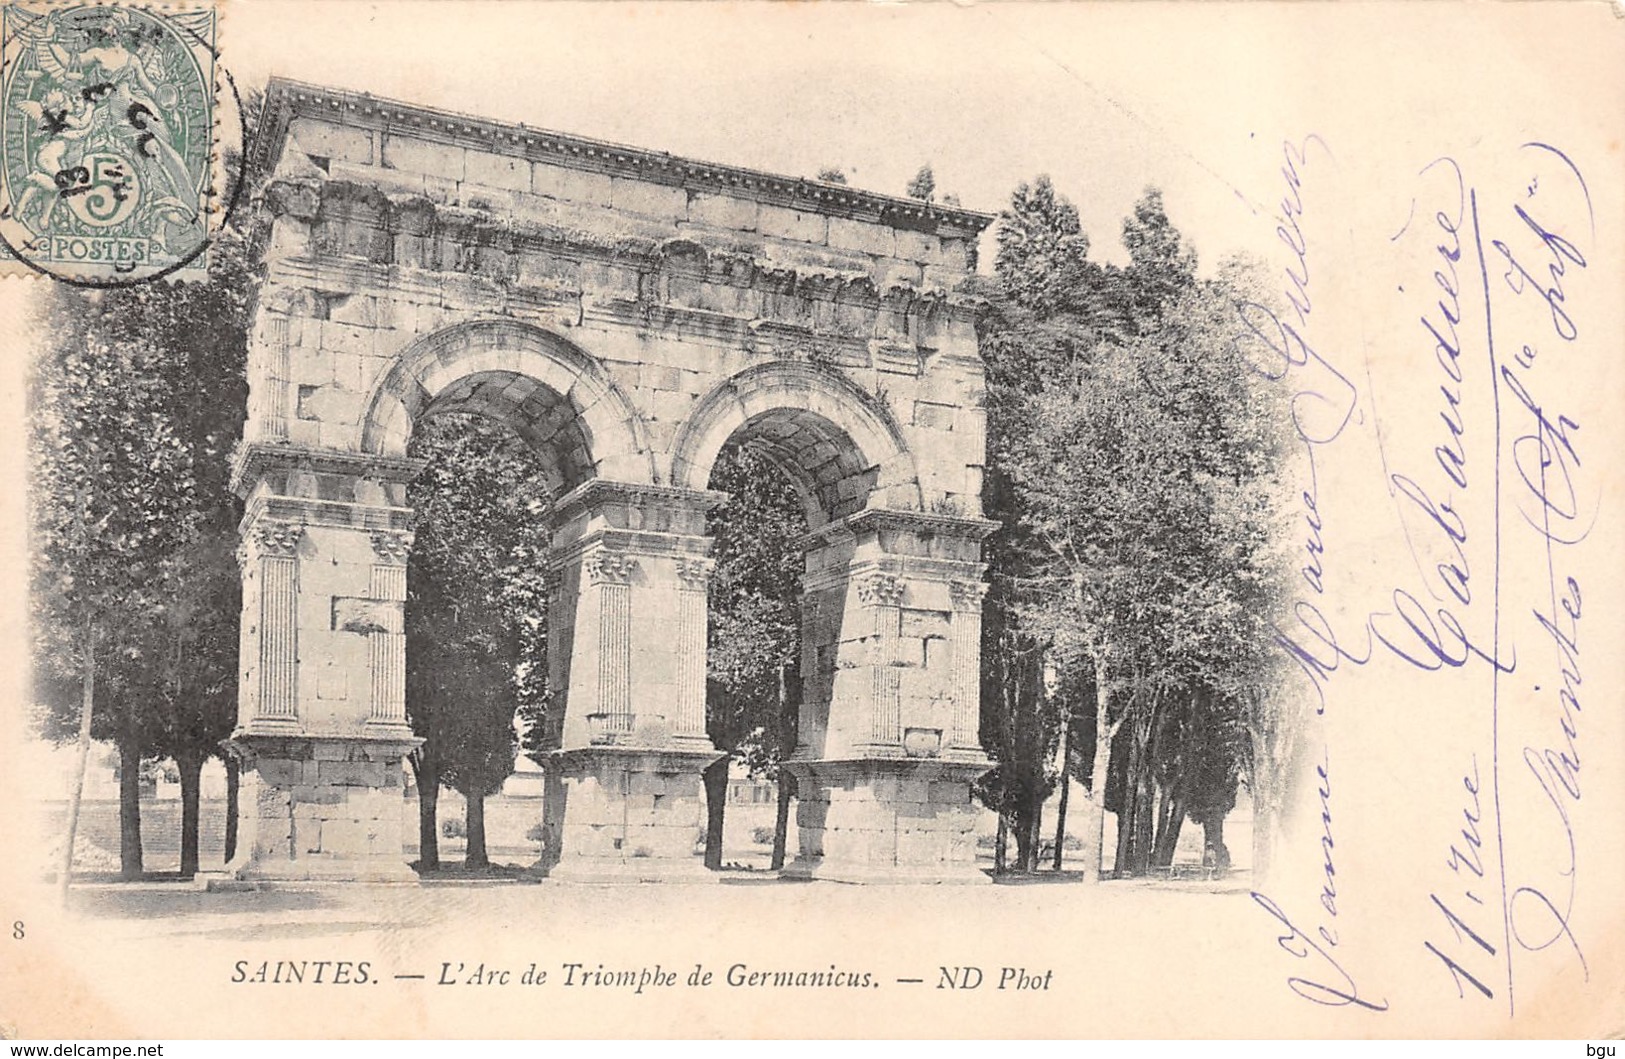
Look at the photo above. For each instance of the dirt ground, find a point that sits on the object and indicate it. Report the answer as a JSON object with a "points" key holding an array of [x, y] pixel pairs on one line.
{"points": [[191, 945]]}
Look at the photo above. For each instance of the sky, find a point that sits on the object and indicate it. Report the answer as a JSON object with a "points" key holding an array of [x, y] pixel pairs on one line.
{"points": [[987, 96]]}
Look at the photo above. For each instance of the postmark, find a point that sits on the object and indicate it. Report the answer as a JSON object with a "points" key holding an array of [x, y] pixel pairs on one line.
{"points": [[107, 142]]}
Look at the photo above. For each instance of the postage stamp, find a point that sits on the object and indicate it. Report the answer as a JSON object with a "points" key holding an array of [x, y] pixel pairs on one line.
{"points": [[107, 151]]}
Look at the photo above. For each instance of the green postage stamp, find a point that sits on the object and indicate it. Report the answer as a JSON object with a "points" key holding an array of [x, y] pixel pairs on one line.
{"points": [[107, 145]]}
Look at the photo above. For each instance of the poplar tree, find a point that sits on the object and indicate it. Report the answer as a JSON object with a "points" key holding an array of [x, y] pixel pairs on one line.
{"points": [[1135, 460]]}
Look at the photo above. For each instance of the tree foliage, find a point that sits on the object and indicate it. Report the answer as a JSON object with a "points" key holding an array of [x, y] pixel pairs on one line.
{"points": [[134, 406], [755, 623], [476, 615], [923, 185], [754, 631], [1135, 462]]}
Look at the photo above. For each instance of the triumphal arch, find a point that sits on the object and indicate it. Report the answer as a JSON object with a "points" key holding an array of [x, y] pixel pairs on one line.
{"points": [[630, 314]]}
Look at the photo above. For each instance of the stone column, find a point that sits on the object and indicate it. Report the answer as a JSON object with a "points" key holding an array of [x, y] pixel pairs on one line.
{"points": [[881, 594], [269, 560], [693, 597], [888, 752], [967, 677], [628, 675], [388, 647], [610, 575], [322, 712]]}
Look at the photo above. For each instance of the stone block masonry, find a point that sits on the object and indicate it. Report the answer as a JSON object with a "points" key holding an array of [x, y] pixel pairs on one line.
{"points": [[631, 315]]}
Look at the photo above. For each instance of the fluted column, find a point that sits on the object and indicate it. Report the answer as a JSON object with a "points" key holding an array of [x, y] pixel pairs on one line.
{"points": [[610, 573], [694, 584], [388, 649], [967, 651], [882, 594], [271, 551]]}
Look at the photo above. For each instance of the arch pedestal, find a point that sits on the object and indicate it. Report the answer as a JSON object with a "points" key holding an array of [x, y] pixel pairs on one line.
{"points": [[889, 747], [879, 820], [630, 579], [321, 728]]}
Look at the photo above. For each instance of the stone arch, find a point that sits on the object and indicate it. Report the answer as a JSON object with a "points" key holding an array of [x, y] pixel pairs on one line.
{"points": [[839, 445], [558, 398]]}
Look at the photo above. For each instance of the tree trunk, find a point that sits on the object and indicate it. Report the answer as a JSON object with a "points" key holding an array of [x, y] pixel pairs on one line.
{"points": [[1274, 750], [781, 821], [1266, 830], [1001, 843], [787, 782], [1215, 855], [1144, 816], [474, 824], [234, 776], [190, 767], [1128, 814], [1027, 838], [85, 705], [129, 803], [1169, 826], [1023, 835], [1137, 821], [716, 795], [1095, 823], [86, 702], [428, 778], [1066, 790]]}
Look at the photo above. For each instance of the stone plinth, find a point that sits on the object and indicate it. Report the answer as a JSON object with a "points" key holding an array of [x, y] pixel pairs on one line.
{"points": [[315, 809], [617, 814], [885, 821]]}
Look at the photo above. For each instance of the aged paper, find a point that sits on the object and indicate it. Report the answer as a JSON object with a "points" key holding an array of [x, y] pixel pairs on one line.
{"points": [[1437, 198]]}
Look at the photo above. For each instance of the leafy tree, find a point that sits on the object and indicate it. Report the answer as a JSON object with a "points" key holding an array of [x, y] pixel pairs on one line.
{"points": [[923, 185], [193, 645], [1020, 729], [1044, 309], [108, 499], [476, 614], [135, 405], [1136, 455], [754, 641]]}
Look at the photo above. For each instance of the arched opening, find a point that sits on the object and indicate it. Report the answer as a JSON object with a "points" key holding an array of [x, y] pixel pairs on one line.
{"points": [[476, 626], [558, 397], [508, 420], [843, 448], [786, 471]]}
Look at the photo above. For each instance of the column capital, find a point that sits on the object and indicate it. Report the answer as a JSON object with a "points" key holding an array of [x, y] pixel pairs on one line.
{"points": [[391, 547], [880, 589], [967, 595], [694, 572], [271, 539], [606, 567]]}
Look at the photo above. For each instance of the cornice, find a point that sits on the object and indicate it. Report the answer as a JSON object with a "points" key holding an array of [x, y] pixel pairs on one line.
{"points": [[286, 99], [720, 266], [883, 518], [599, 490], [254, 458]]}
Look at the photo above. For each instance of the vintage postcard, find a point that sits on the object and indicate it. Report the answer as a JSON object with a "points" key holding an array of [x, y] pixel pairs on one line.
{"points": [[747, 520]]}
